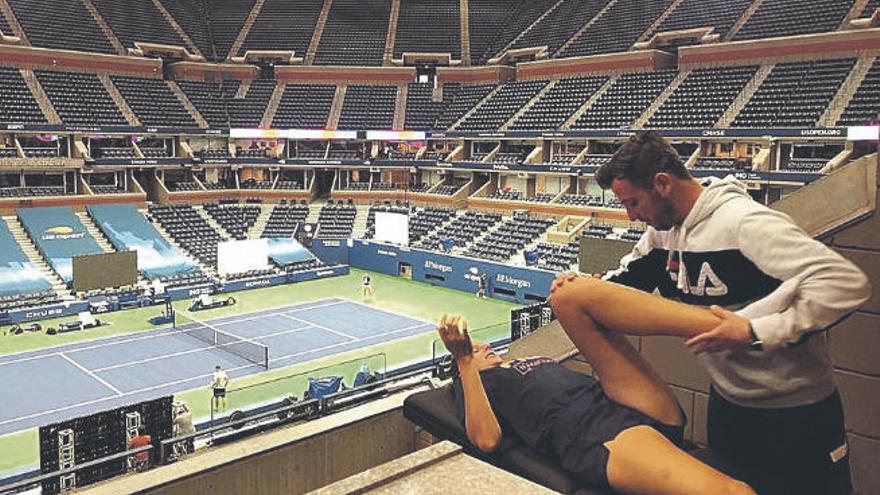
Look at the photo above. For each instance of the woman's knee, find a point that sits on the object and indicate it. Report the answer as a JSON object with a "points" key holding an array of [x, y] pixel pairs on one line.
{"points": [[579, 293]]}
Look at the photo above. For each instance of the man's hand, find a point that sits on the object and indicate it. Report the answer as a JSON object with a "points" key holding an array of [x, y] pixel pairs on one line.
{"points": [[453, 332], [732, 334]]}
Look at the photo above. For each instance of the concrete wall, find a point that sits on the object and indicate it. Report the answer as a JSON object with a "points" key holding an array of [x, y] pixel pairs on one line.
{"points": [[856, 352], [288, 460], [855, 347]]}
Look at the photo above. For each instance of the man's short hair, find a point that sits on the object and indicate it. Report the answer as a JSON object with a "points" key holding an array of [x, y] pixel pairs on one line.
{"points": [[641, 158]]}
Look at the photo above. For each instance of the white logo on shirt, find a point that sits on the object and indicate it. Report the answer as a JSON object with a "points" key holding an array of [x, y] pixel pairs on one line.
{"points": [[708, 283]]}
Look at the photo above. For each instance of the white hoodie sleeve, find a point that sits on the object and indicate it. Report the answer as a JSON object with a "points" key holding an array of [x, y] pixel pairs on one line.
{"points": [[818, 285]]}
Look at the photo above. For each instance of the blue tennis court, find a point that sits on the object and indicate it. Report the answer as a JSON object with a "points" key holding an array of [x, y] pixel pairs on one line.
{"points": [[56, 383]]}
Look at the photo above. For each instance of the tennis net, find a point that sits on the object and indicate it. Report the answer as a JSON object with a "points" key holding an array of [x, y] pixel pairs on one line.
{"points": [[242, 347]]}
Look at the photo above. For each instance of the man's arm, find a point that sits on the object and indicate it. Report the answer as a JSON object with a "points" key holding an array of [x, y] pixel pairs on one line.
{"points": [[642, 268], [819, 286], [481, 424]]}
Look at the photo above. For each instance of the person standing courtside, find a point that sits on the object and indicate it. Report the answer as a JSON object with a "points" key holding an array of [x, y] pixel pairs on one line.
{"points": [[219, 382], [773, 407]]}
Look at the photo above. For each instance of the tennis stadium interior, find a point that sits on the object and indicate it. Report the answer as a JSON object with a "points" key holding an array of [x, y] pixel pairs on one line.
{"points": [[296, 191]]}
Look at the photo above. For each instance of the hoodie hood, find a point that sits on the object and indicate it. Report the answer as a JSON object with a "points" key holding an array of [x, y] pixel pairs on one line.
{"points": [[715, 193]]}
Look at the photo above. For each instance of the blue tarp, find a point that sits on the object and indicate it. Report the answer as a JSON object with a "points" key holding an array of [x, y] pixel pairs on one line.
{"points": [[319, 387], [285, 251], [127, 229], [18, 275], [59, 235]]}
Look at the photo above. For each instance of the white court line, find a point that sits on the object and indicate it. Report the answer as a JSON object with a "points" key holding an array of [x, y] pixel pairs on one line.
{"points": [[154, 358], [279, 358], [156, 332], [321, 327], [192, 351], [124, 394], [91, 374], [383, 310], [184, 380], [273, 313]]}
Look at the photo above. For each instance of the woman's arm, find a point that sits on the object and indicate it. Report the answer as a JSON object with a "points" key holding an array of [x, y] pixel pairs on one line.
{"points": [[481, 424]]}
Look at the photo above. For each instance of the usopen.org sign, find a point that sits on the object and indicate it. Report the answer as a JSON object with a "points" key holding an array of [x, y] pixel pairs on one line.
{"points": [[61, 233]]}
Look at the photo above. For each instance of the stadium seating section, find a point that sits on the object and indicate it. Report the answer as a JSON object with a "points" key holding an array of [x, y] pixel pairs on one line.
{"points": [[625, 100], [560, 23], [285, 220], [80, 99], [794, 94], [234, 218], [512, 236], [702, 98], [21, 282], [865, 104], [59, 236], [336, 220], [428, 26], [135, 20], [210, 99], [17, 104], [501, 106], [618, 29], [790, 17], [368, 107], [248, 111], [128, 229], [559, 103], [283, 25], [354, 33], [718, 14], [225, 18], [153, 102], [64, 25], [188, 229], [192, 16], [422, 111], [304, 106]]}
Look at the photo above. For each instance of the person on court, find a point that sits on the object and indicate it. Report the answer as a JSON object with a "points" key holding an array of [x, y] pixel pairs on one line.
{"points": [[752, 294], [219, 382], [623, 432], [367, 285], [482, 281]]}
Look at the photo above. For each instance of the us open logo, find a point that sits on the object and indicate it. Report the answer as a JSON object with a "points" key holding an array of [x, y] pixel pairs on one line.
{"points": [[61, 233]]}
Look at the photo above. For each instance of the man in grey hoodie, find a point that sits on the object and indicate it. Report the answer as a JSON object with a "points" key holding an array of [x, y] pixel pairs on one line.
{"points": [[773, 407]]}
